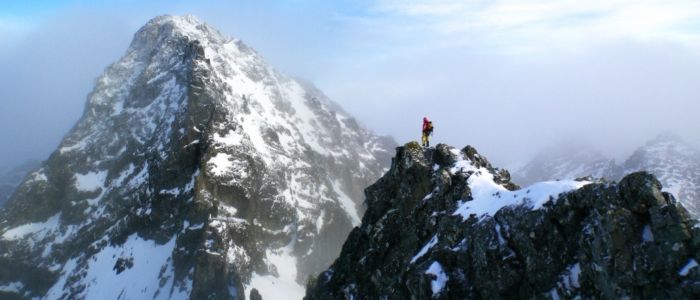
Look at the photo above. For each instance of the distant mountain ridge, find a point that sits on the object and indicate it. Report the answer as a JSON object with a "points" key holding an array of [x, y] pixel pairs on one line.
{"points": [[13, 177], [673, 161]]}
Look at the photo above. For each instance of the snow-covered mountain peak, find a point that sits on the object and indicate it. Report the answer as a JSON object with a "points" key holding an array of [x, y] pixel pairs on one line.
{"points": [[169, 27], [197, 171], [670, 145], [567, 160]]}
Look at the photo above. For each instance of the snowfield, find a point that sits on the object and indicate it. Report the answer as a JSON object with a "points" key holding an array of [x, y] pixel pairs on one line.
{"points": [[489, 197]]}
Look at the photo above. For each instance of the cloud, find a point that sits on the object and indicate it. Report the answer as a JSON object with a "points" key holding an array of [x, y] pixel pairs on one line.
{"points": [[529, 25], [508, 77]]}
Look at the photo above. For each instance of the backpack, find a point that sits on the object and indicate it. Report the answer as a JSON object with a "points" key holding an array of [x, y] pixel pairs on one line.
{"points": [[429, 130]]}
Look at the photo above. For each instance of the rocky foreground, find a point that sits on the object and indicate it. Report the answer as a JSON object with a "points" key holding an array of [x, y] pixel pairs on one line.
{"points": [[445, 224]]}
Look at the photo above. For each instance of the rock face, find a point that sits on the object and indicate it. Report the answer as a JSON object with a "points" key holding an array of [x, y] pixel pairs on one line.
{"points": [[13, 177], [674, 162], [445, 224], [197, 171]]}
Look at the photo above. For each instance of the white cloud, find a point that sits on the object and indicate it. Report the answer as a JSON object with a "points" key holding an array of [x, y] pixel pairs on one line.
{"points": [[537, 24]]}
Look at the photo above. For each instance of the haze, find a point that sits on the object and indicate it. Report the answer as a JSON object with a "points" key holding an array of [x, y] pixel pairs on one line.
{"points": [[509, 78]]}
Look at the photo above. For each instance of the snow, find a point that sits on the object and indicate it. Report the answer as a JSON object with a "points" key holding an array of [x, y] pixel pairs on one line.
{"points": [[688, 266], [196, 227], [570, 278], [141, 281], [489, 197], [251, 126], [91, 181], [38, 176], [438, 283], [319, 221], [575, 272], [347, 204], [230, 139], [223, 164], [77, 146], [283, 286], [172, 192], [501, 240], [39, 229], [647, 235], [554, 294], [12, 287], [425, 248]]}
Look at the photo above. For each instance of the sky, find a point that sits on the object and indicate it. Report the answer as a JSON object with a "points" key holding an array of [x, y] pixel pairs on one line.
{"points": [[508, 77]]}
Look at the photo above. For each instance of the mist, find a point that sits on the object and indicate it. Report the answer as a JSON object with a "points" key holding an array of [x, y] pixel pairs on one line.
{"points": [[509, 93]]}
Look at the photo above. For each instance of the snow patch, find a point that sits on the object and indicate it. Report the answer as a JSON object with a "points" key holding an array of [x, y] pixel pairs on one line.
{"points": [[489, 197], [347, 204], [91, 181], [230, 139], [688, 266], [283, 286], [40, 229], [12, 287], [570, 279], [319, 221], [440, 278], [140, 281], [223, 164], [425, 248]]}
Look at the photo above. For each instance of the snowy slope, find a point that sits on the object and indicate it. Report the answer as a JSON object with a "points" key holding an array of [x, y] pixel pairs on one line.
{"points": [[197, 171]]}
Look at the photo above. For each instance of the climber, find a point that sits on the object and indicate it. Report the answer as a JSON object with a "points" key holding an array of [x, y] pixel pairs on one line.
{"points": [[427, 131]]}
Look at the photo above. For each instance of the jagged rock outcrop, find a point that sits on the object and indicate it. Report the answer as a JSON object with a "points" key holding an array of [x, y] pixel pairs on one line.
{"points": [[675, 163], [445, 224], [197, 171]]}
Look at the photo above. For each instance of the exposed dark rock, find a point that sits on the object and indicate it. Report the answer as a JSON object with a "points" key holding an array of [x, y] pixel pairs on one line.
{"points": [[600, 241], [255, 295]]}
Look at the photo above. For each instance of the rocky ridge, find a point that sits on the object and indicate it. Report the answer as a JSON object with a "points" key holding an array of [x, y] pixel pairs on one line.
{"points": [[445, 224]]}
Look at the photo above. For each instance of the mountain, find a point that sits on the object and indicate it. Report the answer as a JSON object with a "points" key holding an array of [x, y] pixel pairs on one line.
{"points": [[196, 171], [567, 160], [13, 177], [674, 162], [446, 224]]}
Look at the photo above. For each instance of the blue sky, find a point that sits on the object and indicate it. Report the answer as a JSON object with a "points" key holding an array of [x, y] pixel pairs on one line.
{"points": [[509, 77]]}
